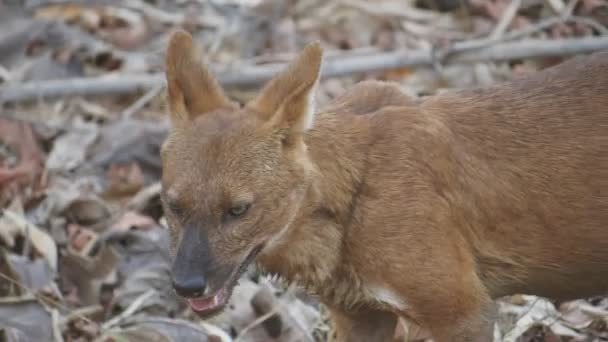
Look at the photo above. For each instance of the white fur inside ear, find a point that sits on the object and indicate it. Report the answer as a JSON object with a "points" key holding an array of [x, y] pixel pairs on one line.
{"points": [[309, 115]]}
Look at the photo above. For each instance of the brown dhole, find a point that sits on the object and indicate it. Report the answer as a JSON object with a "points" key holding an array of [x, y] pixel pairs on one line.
{"points": [[384, 205]]}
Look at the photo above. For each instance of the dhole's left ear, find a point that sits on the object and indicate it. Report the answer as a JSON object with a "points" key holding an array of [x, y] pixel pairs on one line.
{"points": [[287, 101], [192, 89]]}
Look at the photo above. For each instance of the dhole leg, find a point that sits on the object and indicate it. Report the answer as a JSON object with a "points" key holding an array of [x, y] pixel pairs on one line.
{"points": [[364, 325], [476, 325]]}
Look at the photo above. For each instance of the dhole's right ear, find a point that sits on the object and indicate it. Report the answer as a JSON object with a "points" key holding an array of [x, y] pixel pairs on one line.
{"points": [[287, 100], [191, 88]]}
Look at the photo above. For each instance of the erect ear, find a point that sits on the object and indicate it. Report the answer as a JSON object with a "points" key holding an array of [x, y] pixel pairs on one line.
{"points": [[191, 88], [287, 101]]}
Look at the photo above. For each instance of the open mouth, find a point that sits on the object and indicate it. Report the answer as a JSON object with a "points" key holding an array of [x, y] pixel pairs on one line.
{"points": [[206, 306]]}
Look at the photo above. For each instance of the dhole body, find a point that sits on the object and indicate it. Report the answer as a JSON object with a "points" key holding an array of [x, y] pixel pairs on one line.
{"points": [[384, 205]]}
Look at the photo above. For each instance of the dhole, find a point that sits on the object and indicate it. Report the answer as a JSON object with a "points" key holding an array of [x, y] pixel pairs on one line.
{"points": [[383, 205]]}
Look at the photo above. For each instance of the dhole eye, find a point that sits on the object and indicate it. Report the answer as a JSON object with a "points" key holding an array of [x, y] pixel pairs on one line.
{"points": [[238, 209]]}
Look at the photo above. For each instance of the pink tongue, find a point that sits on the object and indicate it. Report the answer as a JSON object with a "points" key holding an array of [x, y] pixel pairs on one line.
{"points": [[204, 304]]}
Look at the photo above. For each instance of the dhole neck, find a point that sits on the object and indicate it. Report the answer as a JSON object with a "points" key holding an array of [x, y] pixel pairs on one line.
{"points": [[311, 253]]}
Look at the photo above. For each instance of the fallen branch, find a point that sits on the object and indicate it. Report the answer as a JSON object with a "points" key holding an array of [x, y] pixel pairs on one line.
{"points": [[253, 75], [141, 102], [402, 10]]}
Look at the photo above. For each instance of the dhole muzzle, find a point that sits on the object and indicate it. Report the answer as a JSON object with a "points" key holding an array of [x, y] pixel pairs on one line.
{"points": [[200, 276]]}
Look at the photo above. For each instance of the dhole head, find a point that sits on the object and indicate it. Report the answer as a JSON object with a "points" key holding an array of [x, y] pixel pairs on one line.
{"points": [[233, 176]]}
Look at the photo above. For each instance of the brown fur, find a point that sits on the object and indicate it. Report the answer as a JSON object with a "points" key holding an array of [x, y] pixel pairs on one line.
{"points": [[446, 203]]}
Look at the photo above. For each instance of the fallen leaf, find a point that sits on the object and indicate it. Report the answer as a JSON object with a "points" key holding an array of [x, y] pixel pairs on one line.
{"points": [[34, 274], [145, 265], [141, 145], [27, 319], [88, 211], [61, 194], [70, 150], [123, 180], [87, 269], [133, 220], [20, 159], [154, 328], [13, 225]]}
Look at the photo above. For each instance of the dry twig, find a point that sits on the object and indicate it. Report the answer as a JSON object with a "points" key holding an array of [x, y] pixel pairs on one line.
{"points": [[253, 75], [506, 19], [141, 102], [130, 310]]}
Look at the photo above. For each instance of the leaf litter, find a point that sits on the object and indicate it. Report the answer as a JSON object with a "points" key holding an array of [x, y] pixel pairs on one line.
{"points": [[84, 251]]}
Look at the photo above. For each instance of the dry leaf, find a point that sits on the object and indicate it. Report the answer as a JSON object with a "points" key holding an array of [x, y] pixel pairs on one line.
{"points": [[133, 220], [70, 150], [27, 319], [13, 224], [123, 180], [20, 159]]}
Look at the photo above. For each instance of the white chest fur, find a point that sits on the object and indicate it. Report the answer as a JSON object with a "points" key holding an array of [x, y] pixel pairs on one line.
{"points": [[389, 297]]}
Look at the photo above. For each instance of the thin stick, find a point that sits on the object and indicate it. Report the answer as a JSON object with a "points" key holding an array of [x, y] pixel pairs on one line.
{"points": [[155, 13], [506, 19], [528, 30], [56, 328], [45, 300], [254, 75], [569, 8], [256, 322], [392, 9], [141, 102], [130, 310]]}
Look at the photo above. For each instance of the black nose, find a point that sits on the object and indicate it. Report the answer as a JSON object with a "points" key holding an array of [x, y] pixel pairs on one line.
{"points": [[191, 287]]}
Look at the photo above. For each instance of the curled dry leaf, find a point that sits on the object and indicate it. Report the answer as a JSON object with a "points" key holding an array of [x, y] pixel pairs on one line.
{"points": [[153, 278], [90, 211], [582, 314], [529, 313], [256, 313], [61, 194], [13, 225], [87, 268]]}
